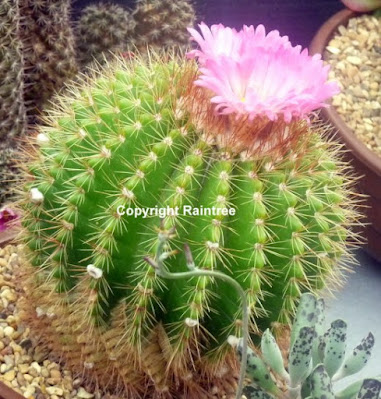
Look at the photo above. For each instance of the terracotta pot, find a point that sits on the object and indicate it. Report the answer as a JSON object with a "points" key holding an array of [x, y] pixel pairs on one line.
{"points": [[7, 236], [8, 393], [366, 163]]}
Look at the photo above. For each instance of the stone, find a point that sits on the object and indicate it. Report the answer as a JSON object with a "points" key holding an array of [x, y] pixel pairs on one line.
{"points": [[354, 60], [9, 375], [54, 391], [8, 331], [55, 374], [333, 50], [30, 391], [37, 367], [83, 394]]}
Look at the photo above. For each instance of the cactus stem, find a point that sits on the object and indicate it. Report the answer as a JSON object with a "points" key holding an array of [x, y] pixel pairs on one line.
{"points": [[162, 271]]}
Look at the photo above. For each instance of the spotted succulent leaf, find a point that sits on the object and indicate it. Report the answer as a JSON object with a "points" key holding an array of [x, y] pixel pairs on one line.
{"points": [[300, 356], [305, 315], [253, 392], [357, 360], [370, 389], [272, 354], [334, 352], [352, 390], [258, 372], [317, 356], [321, 384]]}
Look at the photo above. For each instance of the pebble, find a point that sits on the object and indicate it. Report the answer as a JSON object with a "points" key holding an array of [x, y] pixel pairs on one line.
{"points": [[355, 58], [37, 367], [55, 374], [8, 331], [9, 375], [83, 394], [54, 391], [30, 391]]}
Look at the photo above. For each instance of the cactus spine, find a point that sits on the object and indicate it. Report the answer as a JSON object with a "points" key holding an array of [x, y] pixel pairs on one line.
{"points": [[49, 53], [103, 28], [163, 23], [133, 138], [316, 360], [12, 111]]}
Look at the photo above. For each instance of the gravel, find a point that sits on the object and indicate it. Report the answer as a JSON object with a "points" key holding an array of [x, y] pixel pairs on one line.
{"points": [[24, 365], [355, 56]]}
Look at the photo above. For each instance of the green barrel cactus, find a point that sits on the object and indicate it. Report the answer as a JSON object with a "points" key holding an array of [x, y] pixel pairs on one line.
{"points": [[101, 29], [131, 153]]}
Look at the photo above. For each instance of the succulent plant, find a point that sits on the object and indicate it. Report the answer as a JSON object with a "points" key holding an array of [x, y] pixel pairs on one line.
{"points": [[317, 359], [103, 28], [163, 23], [12, 111], [48, 49], [133, 151]]}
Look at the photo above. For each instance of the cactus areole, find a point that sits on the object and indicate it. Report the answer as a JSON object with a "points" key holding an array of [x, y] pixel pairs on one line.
{"points": [[230, 136]]}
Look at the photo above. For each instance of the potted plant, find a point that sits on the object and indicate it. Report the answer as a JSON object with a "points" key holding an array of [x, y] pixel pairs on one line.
{"points": [[365, 156]]}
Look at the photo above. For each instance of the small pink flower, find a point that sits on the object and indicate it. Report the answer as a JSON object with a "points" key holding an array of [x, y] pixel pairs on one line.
{"points": [[254, 74], [7, 218]]}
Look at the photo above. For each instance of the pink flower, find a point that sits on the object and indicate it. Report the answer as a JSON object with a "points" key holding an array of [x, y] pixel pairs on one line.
{"points": [[7, 218], [254, 74]]}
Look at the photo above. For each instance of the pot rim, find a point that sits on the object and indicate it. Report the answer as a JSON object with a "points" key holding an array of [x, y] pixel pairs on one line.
{"points": [[317, 46], [8, 393], [7, 237]]}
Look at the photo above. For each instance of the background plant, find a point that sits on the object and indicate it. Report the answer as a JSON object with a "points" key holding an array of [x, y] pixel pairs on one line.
{"points": [[48, 50], [12, 110], [103, 28], [161, 24]]}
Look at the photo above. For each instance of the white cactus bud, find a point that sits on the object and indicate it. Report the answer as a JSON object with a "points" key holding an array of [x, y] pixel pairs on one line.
{"points": [[94, 272], [36, 196]]}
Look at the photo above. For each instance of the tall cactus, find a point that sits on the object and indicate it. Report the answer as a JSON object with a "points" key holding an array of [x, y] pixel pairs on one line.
{"points": [[103, 28], [12, 111], [264, 199], [48, 45], [163, 23]]}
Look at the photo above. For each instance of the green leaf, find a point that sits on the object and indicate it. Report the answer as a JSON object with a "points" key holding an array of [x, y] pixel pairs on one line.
{"points": [[257, 371], [305, 315], [319, 329], [321, 384], [358, 359], [370, 389], [351, 391], [299, 360], [335, 344], [271, 354], [253, 392]]}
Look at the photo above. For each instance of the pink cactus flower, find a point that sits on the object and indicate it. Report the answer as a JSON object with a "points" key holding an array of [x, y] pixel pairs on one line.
{"points": [[254, 74], [7, 218]]}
